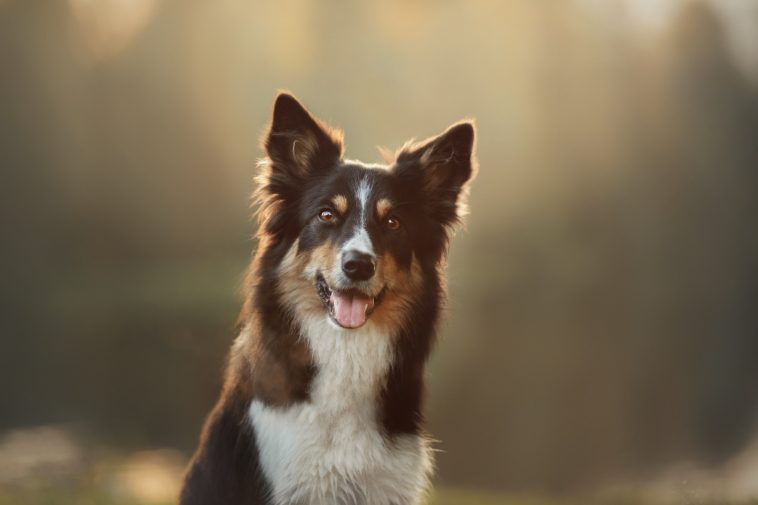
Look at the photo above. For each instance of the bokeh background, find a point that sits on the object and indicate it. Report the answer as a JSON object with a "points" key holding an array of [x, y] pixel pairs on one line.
{"points": [[602, 343]]}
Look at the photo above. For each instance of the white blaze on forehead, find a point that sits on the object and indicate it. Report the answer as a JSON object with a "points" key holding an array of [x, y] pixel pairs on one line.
{"points": [[360, 241], [364, 190]]}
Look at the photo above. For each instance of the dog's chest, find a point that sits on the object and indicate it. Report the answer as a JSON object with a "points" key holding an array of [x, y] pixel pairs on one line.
{"points": [[330, 449]]}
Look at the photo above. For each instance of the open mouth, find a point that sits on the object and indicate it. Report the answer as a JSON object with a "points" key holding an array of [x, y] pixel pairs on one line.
{"points": [[349, 308]]}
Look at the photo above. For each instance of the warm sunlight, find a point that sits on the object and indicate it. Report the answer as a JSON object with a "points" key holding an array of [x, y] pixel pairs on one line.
{"points": [[104, 27], [599, 336]]}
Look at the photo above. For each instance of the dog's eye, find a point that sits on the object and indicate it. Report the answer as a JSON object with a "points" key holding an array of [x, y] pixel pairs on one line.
{"points": [[327, 215], [392, 222]]}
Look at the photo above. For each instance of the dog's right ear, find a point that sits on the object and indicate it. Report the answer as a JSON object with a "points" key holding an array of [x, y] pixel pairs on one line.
{"points": [[298, 144]]}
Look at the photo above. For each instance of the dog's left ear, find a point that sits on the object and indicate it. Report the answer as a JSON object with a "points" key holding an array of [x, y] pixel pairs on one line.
{"points": [[440, 167], [297, 143]]}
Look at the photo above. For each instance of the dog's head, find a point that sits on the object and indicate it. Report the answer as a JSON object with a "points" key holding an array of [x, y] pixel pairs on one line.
{"points": [[355, 241]]}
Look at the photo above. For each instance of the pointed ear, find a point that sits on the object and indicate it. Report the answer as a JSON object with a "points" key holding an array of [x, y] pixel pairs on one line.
{"points": [[440, 167], [297, 143]]}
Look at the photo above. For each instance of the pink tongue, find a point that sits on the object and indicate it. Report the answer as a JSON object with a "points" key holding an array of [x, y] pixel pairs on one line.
{"points": [[349, 309]]}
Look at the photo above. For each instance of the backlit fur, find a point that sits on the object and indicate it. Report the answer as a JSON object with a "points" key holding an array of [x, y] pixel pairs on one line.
{"points": [[312, 411]]}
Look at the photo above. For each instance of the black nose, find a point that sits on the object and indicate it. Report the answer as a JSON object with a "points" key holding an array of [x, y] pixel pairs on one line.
{"points": [[357, 265]]}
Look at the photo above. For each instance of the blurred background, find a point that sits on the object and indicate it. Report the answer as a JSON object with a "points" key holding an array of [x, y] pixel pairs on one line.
{"points": [[602, 343]]}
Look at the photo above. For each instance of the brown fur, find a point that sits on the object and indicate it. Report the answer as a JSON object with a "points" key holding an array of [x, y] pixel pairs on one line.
{"points": [[383, 207], [403, 289], [340, 203]]}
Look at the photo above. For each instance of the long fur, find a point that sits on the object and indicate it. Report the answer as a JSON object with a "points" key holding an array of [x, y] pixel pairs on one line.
{"points": [[313, 412]]}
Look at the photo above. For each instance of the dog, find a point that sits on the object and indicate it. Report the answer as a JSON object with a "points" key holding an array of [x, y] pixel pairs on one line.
{"points": [[322, 401]]}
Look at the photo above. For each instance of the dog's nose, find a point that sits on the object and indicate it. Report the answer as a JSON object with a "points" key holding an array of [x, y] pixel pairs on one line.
{"points": [[357, 265]]}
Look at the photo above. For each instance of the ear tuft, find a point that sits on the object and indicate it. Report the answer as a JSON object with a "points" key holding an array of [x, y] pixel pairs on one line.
{"points": [[387, 155]]}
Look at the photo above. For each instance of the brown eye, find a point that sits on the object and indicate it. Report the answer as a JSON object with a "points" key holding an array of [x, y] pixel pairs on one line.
{"points": [[327, 215], [393, 223]]}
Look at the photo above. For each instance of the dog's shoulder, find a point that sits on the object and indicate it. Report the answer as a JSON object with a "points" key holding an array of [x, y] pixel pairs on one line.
{"points": [[225, 469]]}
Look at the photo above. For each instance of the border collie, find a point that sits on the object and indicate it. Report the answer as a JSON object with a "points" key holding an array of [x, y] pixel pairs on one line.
{"points": [[322, 401]]}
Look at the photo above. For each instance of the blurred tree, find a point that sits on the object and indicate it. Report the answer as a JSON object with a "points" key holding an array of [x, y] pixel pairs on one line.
{"points": [[602, 304]]}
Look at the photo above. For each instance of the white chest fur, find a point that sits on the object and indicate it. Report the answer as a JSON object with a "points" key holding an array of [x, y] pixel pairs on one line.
{"points": [[330, 450]]}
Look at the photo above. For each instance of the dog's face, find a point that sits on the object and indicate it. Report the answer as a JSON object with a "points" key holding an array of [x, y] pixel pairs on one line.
{"points": [[356, 239]]}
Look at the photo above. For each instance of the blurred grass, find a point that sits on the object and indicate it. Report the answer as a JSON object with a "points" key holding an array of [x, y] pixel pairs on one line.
{"points": [[102, 496], [56, 496], [99, 495], [49, 465], [462, 497]]}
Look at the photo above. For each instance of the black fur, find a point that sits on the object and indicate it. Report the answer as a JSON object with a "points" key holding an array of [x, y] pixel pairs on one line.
{"points": [[225, 468], [426, 182]]}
